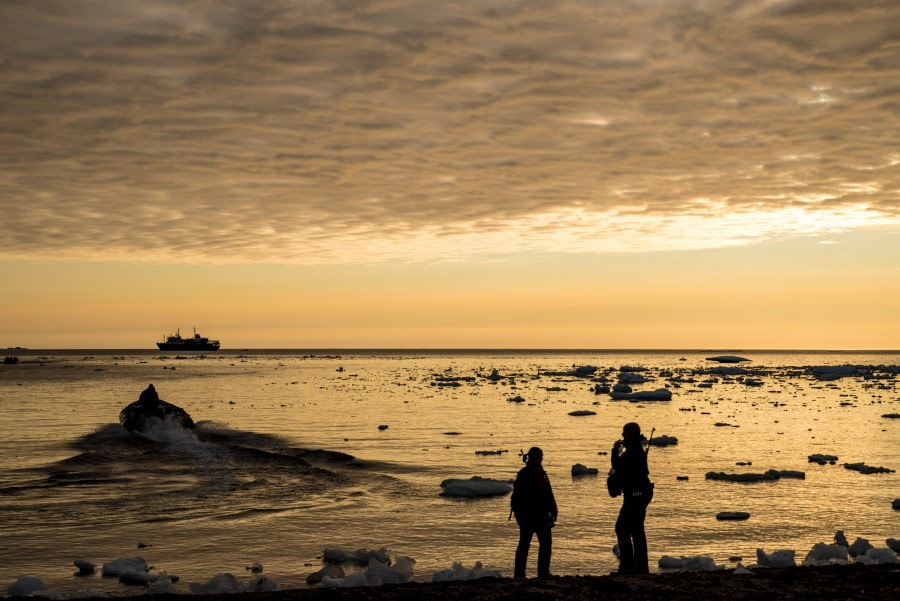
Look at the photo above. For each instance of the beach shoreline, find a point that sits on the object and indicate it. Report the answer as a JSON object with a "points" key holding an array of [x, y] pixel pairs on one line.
{"points": [[856, 581]]}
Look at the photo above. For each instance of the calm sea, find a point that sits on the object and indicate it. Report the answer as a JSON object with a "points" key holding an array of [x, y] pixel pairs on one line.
{"points": [[290, 456]]}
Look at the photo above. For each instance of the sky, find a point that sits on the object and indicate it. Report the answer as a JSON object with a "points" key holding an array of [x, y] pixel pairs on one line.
{"points": [[707, 174]]}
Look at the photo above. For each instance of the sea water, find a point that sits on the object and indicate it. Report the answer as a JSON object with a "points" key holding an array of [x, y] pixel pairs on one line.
{"points": [[298, 451]]}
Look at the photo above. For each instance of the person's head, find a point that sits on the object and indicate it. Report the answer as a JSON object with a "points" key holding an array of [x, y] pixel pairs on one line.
{"points": [[631, 431], [534, 456]]}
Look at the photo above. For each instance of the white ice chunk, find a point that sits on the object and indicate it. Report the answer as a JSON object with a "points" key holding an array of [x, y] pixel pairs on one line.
{"points": [[778, 559], [220, 584], [459, 572], [823, 554], [85, 567], [25, 586], [379, 573], [860, 547], [894, 544], [877, 556], [331, 570], [163, 585], [740, 569], [475, 486], [117, 567], [583, 470], [261, 584], [670, 563]]}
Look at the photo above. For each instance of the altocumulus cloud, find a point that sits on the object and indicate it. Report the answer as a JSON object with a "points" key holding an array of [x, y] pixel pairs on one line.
{"points": [[362, 131]]}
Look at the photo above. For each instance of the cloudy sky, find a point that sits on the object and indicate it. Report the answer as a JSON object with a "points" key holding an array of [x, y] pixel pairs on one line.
{"points": [[396, 173]]}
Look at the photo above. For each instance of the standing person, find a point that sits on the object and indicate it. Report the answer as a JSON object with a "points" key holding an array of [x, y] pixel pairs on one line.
{"points": [[535, 509], [629, 462]]}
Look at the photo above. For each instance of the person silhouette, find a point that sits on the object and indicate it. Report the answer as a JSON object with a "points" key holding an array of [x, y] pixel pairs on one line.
{"points": [[535, 509], [629, 461], [149, 401]]}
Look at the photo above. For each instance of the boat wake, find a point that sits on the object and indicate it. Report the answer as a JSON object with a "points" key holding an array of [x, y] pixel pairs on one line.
{"points": [[170, 473]]}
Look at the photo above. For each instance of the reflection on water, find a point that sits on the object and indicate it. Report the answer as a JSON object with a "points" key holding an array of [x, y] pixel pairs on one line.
{"points": [[288, 458]]}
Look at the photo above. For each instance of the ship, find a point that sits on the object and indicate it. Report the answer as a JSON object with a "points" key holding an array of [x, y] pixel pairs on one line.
{"points": [[198, 343]]}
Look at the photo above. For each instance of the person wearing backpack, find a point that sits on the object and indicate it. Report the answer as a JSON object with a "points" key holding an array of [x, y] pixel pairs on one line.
{"points": [[631, 477], [535, 509]]}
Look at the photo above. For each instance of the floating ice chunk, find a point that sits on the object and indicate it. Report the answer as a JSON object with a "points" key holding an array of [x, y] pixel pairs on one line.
{"points": [[85, 567], [823, 554], [515, 399], [741, 570], [732, 515], [831, 372], [163, 585], [631, 378], [860, 547], [582, 412], [769, 475], [778, 559], [379, 573], [24, 586], [220, 584], [476, 486], [662, 441], [360, 557], [877, 556], [660, 394], [896, 504], [117, 567], [867, 469], [893, 544], [137, 577], [376, 574], [583, 470], [353, 580], [668, 562], [459, 572], [723, 370], [727, 359], [331, 571], [699, 563], [261, 583], [822, 459]]}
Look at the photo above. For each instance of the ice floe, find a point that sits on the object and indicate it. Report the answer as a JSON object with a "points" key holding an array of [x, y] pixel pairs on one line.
{"points": [[727, 359], [867, 469], [663, 441], [227, 583], [582, 470], [822, 459], [769, 475], [476, 486], [582, 412], [376, 574], [25, 586], [732, 515], [699, 563], [779, 559], [660, 394], [85, 567], [459, 572], [824, 554]]}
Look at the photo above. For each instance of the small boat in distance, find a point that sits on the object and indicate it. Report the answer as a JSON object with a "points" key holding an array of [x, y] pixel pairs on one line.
{"points": [[198, 343]]}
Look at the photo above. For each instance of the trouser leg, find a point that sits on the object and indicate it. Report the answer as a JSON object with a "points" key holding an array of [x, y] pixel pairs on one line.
{"points": [[525, 535], [545, 550], [623, 536], [639, 538]]}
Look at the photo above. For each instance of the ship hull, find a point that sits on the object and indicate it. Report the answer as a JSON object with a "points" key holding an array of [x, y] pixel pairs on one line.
{"points": [[190, 346]]}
